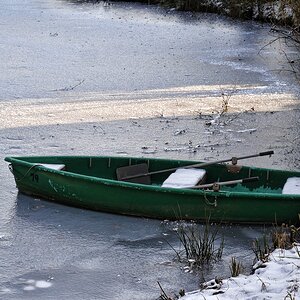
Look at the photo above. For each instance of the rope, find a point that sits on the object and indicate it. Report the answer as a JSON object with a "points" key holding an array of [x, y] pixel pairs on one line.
{"points": [[208, 202], [12, 170]]}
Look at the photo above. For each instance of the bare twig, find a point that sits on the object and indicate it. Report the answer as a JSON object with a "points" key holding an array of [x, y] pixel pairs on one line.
{"points": [[291, 38], [290, 35], [71, 87]]}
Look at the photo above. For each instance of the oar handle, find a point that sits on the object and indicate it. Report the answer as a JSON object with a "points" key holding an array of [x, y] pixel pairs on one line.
{"points": [[256, 155], [266, 153], [233, 160], [230, 182]]}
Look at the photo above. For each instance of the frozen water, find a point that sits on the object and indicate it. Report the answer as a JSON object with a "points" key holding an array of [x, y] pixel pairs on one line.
{"points": [[90, 80]]}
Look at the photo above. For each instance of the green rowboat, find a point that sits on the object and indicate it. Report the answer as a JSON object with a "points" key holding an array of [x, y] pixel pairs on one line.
{"points": [[93, 183]]}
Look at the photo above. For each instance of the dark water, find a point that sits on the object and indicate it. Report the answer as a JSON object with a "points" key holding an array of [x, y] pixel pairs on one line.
{"points": [[56, 49], [89, 255]]}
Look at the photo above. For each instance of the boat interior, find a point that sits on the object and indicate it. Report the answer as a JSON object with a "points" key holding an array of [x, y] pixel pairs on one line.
{"points": [[129, 170]]}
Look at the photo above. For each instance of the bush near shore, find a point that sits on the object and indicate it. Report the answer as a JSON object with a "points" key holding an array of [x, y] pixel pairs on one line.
{"points": [[286, 12]]}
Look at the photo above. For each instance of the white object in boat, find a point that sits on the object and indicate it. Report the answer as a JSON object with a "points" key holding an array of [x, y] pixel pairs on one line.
{"points": [[184, 178], [292, 186], [53, 166]]}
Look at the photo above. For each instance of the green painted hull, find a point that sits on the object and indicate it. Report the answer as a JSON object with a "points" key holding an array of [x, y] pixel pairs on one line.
{"points": [[90, 182]]}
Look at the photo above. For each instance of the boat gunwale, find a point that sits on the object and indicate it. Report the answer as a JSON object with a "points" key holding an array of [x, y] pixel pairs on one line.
{"points": [[123, 184]]}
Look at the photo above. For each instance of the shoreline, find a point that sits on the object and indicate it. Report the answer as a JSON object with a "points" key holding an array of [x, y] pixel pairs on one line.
{"points": [[277, 11]]}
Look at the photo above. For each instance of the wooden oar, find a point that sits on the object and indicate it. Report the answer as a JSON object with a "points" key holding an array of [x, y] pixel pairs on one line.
{"points": [[216, 185], [198, 165]]}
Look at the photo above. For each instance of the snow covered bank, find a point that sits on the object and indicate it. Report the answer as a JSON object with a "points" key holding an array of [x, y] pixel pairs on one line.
{"points": [[279, 278]]}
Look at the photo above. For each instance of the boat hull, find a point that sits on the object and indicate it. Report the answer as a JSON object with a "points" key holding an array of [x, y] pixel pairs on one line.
{"points": [[153, 201]]}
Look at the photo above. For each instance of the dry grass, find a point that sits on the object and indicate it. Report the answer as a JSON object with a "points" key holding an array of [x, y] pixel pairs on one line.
{"points": [[262, 249], [201, 246], [236, 267], [283, 237]]}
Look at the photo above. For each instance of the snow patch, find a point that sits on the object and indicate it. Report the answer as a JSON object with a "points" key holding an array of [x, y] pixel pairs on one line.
{"points": [[42, 284], [184, 178], [57, 167], [31, 284], [292, 186], [278, 278], [5, 291], [29, 288]]}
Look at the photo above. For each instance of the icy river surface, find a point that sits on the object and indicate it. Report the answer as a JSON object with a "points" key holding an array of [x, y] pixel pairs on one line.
{"points": [[128, 79]]}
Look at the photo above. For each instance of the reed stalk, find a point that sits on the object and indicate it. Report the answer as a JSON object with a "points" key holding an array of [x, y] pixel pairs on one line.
{"points": [[236, 267], [201, 246]]}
